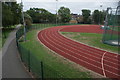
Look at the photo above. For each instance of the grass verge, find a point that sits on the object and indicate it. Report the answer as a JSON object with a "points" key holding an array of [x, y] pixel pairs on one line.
{"points": [[5, 34], [92, 39], [57, 63]]}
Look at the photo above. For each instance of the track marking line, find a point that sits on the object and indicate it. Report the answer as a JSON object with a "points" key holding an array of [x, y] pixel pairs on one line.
{"points": [[79, 59], [80, 51], [72, 55], [87, 51], [92, 49], [103, 63]]}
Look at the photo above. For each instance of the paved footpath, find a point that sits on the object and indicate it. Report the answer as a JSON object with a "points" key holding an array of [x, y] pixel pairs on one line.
{"points": [[11, 64]]}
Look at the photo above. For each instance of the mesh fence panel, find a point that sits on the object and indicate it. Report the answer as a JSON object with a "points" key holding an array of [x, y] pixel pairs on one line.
{"points": [[112, 29], [29, 59]]}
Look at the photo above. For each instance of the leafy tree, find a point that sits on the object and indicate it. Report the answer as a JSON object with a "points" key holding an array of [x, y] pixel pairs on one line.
{"points": [[40, 15], [16, 10], [64, 14], [11, 13], [28, 20], [98, 16], [102, 15], [7, 15], [34, 14], [86, 15]]}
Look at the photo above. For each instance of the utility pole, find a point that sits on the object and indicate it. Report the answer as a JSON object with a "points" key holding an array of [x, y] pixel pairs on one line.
{"points": [[23, 22]]}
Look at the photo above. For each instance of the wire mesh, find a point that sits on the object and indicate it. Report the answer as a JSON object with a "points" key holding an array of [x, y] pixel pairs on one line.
{"points": [[112, 29], [29, 59]]}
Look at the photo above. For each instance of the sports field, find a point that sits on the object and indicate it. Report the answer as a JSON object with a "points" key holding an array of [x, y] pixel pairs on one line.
{"points": [[100, 61]]}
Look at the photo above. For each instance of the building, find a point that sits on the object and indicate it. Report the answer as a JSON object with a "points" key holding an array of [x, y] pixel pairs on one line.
{"points": [[75, 18]]}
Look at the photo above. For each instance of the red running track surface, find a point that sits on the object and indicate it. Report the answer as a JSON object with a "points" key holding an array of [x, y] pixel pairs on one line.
{"points": [[100, 61]]}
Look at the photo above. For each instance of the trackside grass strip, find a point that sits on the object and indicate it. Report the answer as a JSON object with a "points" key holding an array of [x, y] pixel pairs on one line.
{"points": [[62, 66], [53, 64], [92, 39]]}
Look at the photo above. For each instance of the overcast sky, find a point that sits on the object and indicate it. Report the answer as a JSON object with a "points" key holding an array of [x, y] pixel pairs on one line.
{"points": [[75, 6]]}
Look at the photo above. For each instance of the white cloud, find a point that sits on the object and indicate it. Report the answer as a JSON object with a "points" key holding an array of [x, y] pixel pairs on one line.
{"points": [[68, 1], [74, 5]]}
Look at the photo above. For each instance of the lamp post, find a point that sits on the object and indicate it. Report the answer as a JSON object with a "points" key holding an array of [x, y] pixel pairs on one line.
{"points": [[100, 14], [23, 22], [56, 11]]}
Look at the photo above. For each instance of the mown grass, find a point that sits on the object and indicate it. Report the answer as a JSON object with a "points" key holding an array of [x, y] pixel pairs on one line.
{"points": [[5, 34], [92, 39], [57, 63]]}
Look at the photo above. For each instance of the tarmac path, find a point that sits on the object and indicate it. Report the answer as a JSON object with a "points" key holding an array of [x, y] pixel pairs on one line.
{"points": [[11, 64]]}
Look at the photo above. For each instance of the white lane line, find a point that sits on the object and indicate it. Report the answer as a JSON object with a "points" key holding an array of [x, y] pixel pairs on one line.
{"points": [[102, 59], [59, 30], [65, 52], [60, 39], [86, 44], [74, 56], [90, 48], [48, 32], [80, 51], [71, 55]]}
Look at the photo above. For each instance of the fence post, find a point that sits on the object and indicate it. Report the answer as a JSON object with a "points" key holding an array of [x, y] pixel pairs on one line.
{"points": [[42, 70], [29, 61], [21, 55]]}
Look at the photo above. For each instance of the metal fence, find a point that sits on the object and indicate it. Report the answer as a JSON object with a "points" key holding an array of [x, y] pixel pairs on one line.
{"points": [[112, 27], [37, 67]]}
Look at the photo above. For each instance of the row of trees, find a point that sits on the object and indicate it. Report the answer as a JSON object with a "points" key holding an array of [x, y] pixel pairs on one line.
{"points": [[11, 15], [97, 17], [40, 15]]}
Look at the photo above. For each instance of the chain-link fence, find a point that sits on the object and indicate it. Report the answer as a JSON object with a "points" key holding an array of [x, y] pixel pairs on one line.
{"points": [[112, 27]]}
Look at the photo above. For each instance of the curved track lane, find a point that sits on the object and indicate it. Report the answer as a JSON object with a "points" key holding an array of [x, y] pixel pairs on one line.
{"points": [[100, 61]]}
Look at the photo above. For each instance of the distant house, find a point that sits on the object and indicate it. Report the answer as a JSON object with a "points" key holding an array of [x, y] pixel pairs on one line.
{"points": [[80, 19], [73, 21], [75, 18]]}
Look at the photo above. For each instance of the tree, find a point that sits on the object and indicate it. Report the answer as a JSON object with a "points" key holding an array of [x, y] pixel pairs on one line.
{"points": [[28, 20], [40, 15], [86, 15], [102, 15], [98, 16], [7, 16], [11, 13], [95, 16], [64, 14], [16, 10]]}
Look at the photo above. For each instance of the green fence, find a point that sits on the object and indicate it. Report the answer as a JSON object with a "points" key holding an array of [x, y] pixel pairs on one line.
{"points": [[112, 27], [37, 67]]}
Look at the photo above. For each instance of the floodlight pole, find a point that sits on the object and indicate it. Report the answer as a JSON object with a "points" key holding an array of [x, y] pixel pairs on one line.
{"points": [[99, 14], [23, 22], [56, 11]]}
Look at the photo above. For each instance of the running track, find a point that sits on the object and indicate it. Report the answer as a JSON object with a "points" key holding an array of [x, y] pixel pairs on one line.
{"points": [[100, 61]]}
